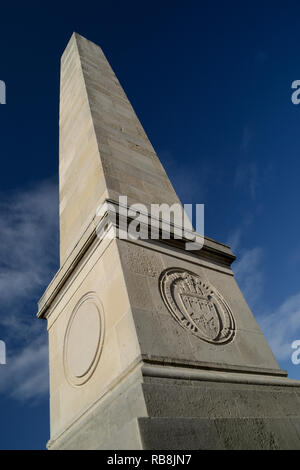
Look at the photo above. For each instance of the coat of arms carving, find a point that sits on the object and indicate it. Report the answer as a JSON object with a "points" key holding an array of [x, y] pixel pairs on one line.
{"points": [[197, 306]]}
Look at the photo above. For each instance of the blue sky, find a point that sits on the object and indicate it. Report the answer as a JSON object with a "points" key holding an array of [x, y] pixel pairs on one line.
{"points": [[211, 84]]}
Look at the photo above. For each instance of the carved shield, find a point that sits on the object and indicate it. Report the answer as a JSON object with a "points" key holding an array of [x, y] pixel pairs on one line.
{"points": [[197, 306], [203, 313]]}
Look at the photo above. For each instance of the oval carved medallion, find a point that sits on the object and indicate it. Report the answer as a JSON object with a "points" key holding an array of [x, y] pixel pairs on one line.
{"points": [[83, 340], [197, 306]]}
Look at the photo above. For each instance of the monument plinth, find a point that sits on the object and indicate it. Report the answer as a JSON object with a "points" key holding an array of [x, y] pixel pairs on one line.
{"points": [[151, 346]]}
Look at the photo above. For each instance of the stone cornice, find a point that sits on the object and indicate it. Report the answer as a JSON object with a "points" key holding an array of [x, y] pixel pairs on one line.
{"points": [[111, 219]]}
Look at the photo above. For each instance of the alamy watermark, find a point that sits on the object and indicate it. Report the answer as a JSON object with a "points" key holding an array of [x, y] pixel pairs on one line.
{"points": [[2, 352], [296, 94], [296, 354], [2, 343], [2, 92], [156, 221]]}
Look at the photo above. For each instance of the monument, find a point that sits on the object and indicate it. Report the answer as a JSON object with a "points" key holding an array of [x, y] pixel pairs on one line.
{"points": [[151, 345]]}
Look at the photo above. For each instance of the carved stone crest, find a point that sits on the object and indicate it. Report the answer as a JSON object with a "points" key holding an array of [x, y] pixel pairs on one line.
{"points": [[197, 306]]}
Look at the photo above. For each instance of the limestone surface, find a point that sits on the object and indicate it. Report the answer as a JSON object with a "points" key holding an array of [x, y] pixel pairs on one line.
{"points": [[151, 346]]}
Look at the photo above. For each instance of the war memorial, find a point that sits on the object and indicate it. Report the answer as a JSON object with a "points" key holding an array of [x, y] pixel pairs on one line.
{"points": [[151, 344]]}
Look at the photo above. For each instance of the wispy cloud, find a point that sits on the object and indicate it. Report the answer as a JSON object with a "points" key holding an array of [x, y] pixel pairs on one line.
{"points": [[246, 177], [190, 180], [235, 237], [248, 268], [282, 326], [29, 258], [25, 377], [249, 273]]}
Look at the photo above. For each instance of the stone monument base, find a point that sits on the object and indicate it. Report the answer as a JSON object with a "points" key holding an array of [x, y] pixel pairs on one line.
{"points": [[159, 407]]}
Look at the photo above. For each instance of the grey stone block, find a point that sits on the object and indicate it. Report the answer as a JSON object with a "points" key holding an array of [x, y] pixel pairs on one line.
{"points": [[219, 434]]}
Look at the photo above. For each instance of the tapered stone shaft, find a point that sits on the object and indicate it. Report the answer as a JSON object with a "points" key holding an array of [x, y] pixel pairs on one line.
{"points": [[104, 151]]}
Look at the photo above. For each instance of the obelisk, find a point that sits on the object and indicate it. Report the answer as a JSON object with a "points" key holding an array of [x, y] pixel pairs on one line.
{"points": [[151, 346]]}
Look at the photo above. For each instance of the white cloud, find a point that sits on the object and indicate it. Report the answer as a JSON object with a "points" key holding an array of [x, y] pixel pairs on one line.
{"points": [[235, 236], [249, 273], [28, 240], [282, 326], [190, 180], [25, 377], [246, 177], [29, 258]]}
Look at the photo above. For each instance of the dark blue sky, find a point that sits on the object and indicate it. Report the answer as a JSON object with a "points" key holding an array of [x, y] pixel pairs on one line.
{"points": [[211, 84]]}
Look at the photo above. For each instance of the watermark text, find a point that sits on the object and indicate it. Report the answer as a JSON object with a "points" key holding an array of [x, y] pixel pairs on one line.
{"points": [[155, 222], [2, 352], [296, 354], [2, 92]]}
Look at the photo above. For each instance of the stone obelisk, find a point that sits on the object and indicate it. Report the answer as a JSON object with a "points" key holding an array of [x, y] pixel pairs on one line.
{"points": [[151, 346]]}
